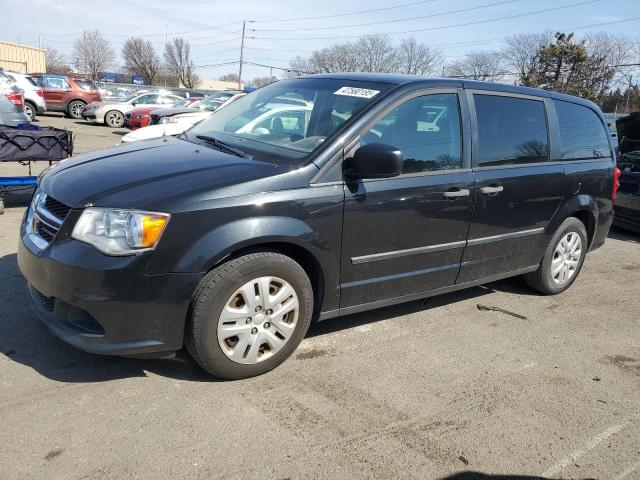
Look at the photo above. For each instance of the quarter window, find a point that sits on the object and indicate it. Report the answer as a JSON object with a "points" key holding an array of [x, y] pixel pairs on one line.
{"points": [[148, 100], [427, 131], [582, 134], [511, 131]]}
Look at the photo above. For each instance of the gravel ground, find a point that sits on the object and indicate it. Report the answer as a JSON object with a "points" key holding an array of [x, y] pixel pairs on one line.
{"points": [[422, 390]]}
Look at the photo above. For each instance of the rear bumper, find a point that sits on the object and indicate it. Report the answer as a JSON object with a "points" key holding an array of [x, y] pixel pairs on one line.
{"points": [[102, 304], [627, 212]]}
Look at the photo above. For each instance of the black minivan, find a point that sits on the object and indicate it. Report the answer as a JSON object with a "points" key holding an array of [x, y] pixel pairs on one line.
{"points": [[311, 198]]}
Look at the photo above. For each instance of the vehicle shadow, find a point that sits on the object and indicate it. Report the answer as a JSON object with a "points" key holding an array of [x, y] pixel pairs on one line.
{"points": [[624, 235], [25, 340], [483, 476]]}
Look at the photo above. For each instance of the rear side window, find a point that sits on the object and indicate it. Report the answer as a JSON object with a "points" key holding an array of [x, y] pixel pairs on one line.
{"points": [[87, 85], [427, 131], [511, 131], [582, 134]]}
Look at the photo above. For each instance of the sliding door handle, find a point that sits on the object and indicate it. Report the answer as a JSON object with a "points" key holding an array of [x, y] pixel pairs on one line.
{"points": [[491, 190], [458, 192]]}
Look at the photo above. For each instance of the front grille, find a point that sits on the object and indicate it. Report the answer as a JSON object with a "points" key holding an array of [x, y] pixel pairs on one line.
{"points": [[45, 231], [56, 208]]}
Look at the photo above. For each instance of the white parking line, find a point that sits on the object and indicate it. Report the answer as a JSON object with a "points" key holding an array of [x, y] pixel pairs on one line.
{"points": [[628, 471], [593, 443]]}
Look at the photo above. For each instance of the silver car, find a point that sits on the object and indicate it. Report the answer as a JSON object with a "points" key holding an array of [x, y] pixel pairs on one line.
{"points": [[10, 115], [112, 112]]}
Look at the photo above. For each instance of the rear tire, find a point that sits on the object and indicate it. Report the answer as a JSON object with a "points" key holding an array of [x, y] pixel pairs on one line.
{"points": [[75, 109], [30, 110], [230, 299], [563, 259]]}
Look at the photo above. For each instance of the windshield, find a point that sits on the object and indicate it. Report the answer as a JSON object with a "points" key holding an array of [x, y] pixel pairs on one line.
{"points": [[285, 122]]}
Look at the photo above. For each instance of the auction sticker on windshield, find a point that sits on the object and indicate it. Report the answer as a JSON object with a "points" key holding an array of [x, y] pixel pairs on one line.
{"points": [[357, 92]]}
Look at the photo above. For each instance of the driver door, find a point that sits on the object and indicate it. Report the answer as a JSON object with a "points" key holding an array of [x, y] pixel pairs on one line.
{"points": [[405, 235]]}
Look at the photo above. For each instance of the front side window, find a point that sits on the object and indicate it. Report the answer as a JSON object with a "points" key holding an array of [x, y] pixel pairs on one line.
{"points": [[427, 131], [286, 121], [511, 131], [582, 134]]}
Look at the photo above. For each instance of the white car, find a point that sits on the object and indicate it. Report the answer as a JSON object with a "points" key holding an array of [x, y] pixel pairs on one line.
{"points": [[34, 103], [112, 112], [178, 124]]}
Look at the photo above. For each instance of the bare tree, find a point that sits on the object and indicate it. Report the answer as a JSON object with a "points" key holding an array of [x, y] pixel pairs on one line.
{"points": [[376, 53], [56, 62], [418, 58], [477, 66], [610, 56], [373, 53], [140, 58], [179, 62], [93, 53], [230, 77], [262, 81], [521, 54]]}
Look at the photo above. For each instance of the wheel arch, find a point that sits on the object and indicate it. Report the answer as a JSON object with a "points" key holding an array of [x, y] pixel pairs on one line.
{"points": [[296, 252], [582, 207]]}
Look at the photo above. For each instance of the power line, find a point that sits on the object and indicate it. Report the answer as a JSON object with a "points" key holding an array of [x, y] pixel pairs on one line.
{"points": [[299, 19], [443, 27], [406, 19]]}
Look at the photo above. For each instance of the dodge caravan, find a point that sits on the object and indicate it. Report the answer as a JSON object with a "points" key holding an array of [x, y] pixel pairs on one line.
{"points": [[377, 189]]}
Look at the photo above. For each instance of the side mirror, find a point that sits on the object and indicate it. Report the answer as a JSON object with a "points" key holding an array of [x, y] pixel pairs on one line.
{"points": [[375, 160], [134, 103]]}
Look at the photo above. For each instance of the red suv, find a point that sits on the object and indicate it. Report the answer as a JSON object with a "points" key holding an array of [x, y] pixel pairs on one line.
{"points": [[67, 93]]}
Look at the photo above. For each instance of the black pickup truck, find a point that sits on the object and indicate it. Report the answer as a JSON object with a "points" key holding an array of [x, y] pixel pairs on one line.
{"points": [[627, 203]]}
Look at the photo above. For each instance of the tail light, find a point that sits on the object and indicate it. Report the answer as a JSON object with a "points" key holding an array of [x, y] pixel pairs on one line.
{"points": [[616, 182], [40, 92], [16, 98]]}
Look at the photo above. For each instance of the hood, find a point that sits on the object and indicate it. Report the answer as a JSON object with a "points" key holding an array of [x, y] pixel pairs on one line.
{"points": [[163, 112], [148, 175], [156, 131], [629, 133]]}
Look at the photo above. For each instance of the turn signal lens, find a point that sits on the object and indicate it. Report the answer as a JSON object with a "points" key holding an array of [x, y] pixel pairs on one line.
{"points": [[616, 182], [152, 228]]}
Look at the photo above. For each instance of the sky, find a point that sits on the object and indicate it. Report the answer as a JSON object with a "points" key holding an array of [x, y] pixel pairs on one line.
{"points": [[277, 31]]}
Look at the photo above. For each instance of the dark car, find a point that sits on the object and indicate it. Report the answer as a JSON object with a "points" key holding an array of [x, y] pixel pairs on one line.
{"points": [[627, 202], [385, 189], [67, 93]]}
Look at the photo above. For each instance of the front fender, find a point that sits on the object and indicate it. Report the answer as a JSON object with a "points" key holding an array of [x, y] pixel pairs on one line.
{"points": [[230, 237]]}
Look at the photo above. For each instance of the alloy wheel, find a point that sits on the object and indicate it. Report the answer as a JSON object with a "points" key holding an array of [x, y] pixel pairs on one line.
{"points": [[258, 320], [566, 258], [77, 109]]}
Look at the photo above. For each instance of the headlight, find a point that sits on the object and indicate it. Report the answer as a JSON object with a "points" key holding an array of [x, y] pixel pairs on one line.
{"points": [[164, 120], [120, 232]]}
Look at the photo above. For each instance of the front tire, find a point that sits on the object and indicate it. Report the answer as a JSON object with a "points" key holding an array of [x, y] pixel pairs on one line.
{"points": [[114, 119], [563, 259], [249, 315]]}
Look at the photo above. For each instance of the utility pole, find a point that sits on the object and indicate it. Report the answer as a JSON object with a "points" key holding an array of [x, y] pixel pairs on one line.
{"points": [[39, 40], [244, 23], [166, 40]]}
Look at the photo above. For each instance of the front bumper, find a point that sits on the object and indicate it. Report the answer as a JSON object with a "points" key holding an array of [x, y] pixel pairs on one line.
{"points": [[93, 116], [627, 212], [102, 304]]}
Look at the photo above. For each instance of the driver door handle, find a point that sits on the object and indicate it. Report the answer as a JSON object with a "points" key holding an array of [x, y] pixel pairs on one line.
{"points": [[491, 190], [458, 192]]}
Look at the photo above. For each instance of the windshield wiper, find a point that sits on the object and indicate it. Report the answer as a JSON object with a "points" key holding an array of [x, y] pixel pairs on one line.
{"points": [[224, 147]]}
